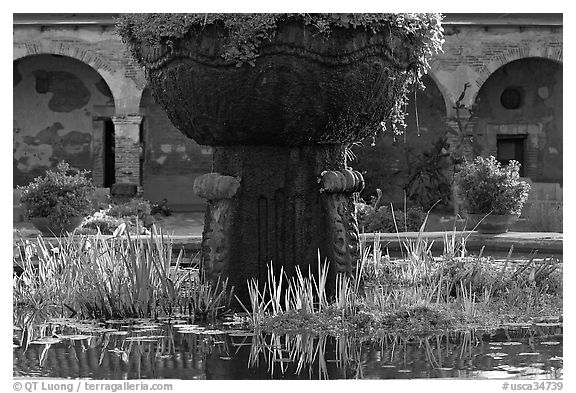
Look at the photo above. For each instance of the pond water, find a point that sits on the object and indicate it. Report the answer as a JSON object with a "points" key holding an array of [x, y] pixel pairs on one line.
{"points": [[148, 350]]}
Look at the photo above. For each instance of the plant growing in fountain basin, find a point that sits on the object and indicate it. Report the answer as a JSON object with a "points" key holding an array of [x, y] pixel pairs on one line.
{"points": [[280, 97], [489, 191]]}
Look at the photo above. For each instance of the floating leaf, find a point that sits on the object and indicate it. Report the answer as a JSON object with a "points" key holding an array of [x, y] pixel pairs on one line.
{"points": [[46, 340], [146, 327], [189, 331], [188, 326], [144, 338], [118, 333], [498, 354], [74, 337], [242, 334]]}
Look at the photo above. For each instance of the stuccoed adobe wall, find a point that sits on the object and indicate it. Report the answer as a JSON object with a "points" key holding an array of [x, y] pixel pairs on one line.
{"points": [[172, 160], [55, 99]]}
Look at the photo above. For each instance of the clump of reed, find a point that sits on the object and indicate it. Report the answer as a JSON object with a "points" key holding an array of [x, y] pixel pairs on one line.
{"points": [[456, 284], [111, 277]]}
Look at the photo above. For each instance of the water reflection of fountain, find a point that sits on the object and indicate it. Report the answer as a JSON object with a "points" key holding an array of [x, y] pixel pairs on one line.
{"points": [[162, 352], [447, 355]]}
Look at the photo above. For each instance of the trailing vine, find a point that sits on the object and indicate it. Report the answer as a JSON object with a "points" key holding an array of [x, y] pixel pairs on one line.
{"points": [[420, 33]]}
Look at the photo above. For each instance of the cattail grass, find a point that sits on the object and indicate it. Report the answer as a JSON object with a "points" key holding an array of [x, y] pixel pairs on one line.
{"points": [[111, 277]]}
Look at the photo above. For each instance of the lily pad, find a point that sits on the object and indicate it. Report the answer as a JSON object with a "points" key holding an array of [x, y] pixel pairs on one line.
{"points": [[550, 342], [147, 327], [188, 326], [190, 331], [144, 338], [46, 340], [242, 334], [118, 333], [528, 354], [74, 337], [212, 332]]}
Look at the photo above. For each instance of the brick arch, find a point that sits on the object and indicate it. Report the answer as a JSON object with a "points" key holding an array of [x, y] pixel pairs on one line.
{"points": [[435, 67], [116, 81], [547, 52]]}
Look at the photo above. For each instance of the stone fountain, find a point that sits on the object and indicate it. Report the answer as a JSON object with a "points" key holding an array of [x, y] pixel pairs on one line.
{"points": [[281, 191]]}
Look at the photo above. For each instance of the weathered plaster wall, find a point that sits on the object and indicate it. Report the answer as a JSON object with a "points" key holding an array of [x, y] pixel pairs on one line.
{"points": [[97, 46], [171, 160], [539, 116], [54, 100]]}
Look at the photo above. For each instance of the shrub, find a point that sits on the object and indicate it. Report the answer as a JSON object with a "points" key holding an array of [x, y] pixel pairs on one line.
{"points": [[59, 195], [485, 186], [382, 220]]}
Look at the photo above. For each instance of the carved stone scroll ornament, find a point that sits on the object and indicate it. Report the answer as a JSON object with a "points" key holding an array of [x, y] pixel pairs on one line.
{"points": [[342, 226], [219, 190]]}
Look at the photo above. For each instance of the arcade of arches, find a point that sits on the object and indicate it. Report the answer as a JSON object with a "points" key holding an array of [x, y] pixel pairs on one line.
{"points": [[79, 97]]}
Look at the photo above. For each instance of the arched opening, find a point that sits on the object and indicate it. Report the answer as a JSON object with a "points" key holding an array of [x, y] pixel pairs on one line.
{"points": [[519, 116], [171, 161], [62, 112], [414, 164]]}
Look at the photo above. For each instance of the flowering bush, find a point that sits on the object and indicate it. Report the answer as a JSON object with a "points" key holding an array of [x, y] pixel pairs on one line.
{"points": [[485, 186], [59, 195], [134, 213], [134, 207], [100, 220]]}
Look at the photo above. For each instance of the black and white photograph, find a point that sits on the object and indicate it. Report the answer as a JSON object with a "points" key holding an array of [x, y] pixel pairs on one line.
{"points": [[268, 196]]}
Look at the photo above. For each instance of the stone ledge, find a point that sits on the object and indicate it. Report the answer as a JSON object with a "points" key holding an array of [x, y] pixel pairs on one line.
{"points": [[544, 242], [550, 242]]}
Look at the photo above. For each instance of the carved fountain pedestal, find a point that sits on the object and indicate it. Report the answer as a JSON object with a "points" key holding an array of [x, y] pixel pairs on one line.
{"points": [[278, 205], [280, 190]]}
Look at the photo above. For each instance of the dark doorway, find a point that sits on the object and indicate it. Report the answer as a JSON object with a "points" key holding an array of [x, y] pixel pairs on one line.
{"points": [[109, 161], [511, 147]]}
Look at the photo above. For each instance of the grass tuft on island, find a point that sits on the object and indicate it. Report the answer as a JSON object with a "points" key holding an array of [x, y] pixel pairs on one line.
{"points": [[412, 296]]}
